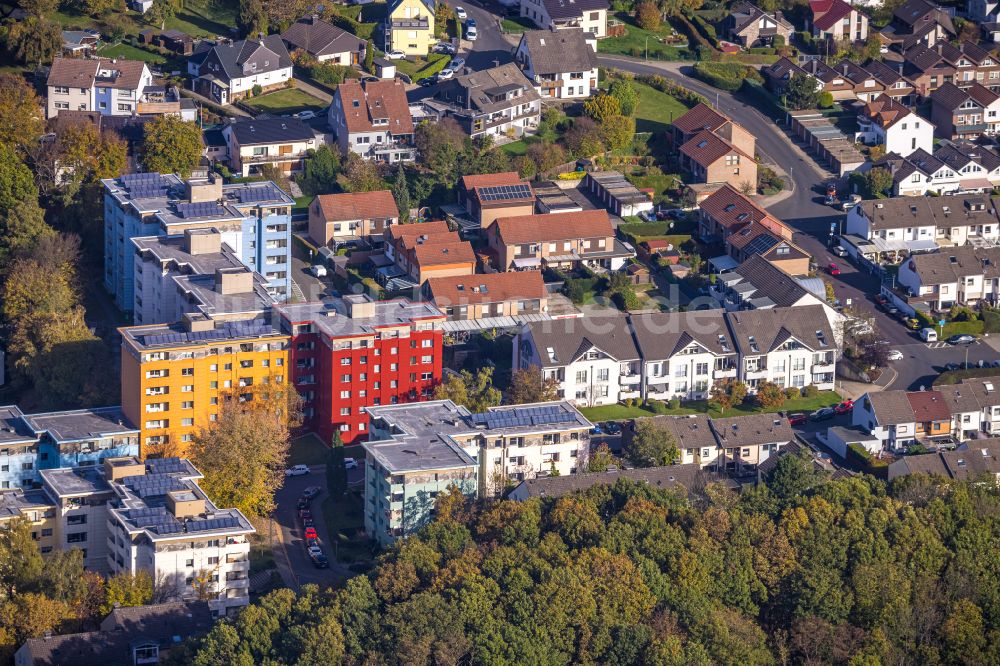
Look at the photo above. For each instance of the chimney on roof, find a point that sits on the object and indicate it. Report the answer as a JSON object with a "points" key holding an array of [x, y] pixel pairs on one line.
{"points": [[202, 241], [359, 306], [314, 19], [229, 281]]}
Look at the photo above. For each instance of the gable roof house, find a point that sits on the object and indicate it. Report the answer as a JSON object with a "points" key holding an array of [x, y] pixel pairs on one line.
{"points": [[748, 25], [711, 158], [325, 41], [372, 119], [488, 296], [837, 20], [336, 219], [489, 196], [965, 113], [278, 142], [497, 101], [748, 440], [918, 22], [954, 166], [426, 250], [884, 121], [108, 87], [962, 64], [228, 72], [594, 359], [562, 63], [409, 26], [591, 16], [744, 228], [953, 276]]}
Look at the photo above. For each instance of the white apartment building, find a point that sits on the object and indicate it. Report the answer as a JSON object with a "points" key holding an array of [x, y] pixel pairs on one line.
{"points": [[418, 450], [594, 359], [561, 64], [181, 538], [278, 142]]}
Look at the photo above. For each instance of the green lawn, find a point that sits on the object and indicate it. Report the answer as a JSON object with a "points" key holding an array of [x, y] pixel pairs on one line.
{"points": [[515, 148], [662, 183], [132, 53], [308, 450], [656, 110], [206, 18], [419, 68], [620, 412], [641, 43], [283, 102], [517, 24], [344, 520]]}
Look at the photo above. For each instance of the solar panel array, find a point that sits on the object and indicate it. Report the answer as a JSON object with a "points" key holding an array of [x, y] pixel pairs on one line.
{"points": [[200, 209], [525, 416], [236, 329], [502, 192], [255, 193], [153, 485], [165, 465], [145, 185], [212, 524], [761, 244], [157, 519]]}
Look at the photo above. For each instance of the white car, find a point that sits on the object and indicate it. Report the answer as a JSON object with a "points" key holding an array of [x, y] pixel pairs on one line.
{"points": [[461, 13], [445, 74], [394, 55], [895, 355], [314, 551], [456, 63], [305, 115], [839, 251], [318, 270], [471, 34], [350, 463], [298, 470]]}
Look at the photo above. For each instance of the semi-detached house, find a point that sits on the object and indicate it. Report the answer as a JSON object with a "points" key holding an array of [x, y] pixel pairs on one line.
{"points": [[109, 87], [588, 15], [497, 101], [964, 275], [884, 121], [372, 119], [277, 142], [965, 113], [229, 71], [562, 63]]}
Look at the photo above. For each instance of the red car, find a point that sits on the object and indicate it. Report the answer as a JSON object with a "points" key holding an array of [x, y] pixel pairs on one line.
{"points": [[311, 533], [834, 270], [881, 300], [797, 419], [845, 407]]}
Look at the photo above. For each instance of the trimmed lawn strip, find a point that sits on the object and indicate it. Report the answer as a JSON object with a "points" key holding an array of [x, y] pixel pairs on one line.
{"points": [[420, 68], [656, 110], [621, 412], [641, 43], [283, 102], [131, 53]]}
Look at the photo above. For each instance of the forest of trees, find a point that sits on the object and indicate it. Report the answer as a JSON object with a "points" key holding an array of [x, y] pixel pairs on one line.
{"points": [[801, 571]]}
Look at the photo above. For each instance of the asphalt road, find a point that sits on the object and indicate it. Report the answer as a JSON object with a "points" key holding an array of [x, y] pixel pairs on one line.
{"points": [[292, 537], [491, 48]]}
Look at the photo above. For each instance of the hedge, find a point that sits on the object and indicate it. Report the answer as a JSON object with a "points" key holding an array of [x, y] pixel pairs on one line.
{"points": [[951, 328], [726, 76], [955, 376]]}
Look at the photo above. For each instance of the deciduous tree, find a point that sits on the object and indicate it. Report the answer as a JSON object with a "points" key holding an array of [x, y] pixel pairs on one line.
{"points": [[16, 182], [21, 563], [22, 118], [171, 145], [320, 170], [601, 107], [652, 445], [474, 391], [618, 132], [401, 193], [527, 385], [362, 175], [34, 41], [727, 394], [770, 396], [601, 459], [801, 92], [243, 453], [583, 138], [127, 589], [439, 146], [879, 182], [21, 227], [626, 94], [252, 18], [647, 15]]}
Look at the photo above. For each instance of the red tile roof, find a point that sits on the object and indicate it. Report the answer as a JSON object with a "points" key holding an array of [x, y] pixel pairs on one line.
{"points": [[489, 288], [76, 73], [700, 117], [928, 406], [730, 209], [706, 148], [453, 251], [833, 11], [491, 179], [362, 103], [358, 206], [561, 226], [408, 232]]}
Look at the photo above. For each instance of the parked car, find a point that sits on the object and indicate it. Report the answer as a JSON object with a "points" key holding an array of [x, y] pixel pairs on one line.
{"points": [[912, 323], [952, 366], [928, 335], [445, 47], [833, 269], [350, 463], [895, 355], [305, 115], [427, 81], [850, 202], [314, 551], [996, 363], [319, 560], [961, 338], [824, 414], [305, 514], [461, 13], [310, 492], [311, 533], [797, 419], [297, 470], [470, 23], [839, 250], [303, 503], [845, 407], [891, 310], [612, 427], [597, 429], [470, 33], [456, 63], [395, 55], [404, 78], [308, 522], [445, 74], [318, 270], [880, 299], [647, 215]]}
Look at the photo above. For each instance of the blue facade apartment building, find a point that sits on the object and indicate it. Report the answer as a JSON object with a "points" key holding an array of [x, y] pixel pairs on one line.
{"points": [[30, 443], [255, 219]]}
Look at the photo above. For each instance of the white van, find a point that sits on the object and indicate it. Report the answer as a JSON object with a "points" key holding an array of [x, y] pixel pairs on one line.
{"points": [[928, 335]]}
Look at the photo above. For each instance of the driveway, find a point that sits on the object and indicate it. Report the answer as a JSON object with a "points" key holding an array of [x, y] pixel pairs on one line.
{"points": [[923, 361], [491, 47]]}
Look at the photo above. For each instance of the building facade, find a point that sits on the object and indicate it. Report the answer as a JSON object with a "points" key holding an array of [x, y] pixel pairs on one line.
{"points": [[109, 87]]}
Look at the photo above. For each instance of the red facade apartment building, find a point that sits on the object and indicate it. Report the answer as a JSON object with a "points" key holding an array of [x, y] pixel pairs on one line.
{"points": [[351, 353]]}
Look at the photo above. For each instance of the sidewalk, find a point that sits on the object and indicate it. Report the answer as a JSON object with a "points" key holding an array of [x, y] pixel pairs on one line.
{"points": [[853, 390], [313, 90]]}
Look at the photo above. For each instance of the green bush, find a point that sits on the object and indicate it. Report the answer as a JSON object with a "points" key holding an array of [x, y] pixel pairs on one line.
{"points": [[726, 76], [825, 99], [256, 90], [810, 391], [991, 320], [792, 393], [674, 404]]}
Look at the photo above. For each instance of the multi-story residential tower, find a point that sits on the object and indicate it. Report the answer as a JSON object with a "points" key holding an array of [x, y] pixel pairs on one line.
{"points": [[254, 219], [173, 376], [352, 353]]}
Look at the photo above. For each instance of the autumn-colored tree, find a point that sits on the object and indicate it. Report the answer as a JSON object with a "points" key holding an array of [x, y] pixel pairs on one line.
{"points": [[362, 175], [35, 40], [727, 394], [652, 445], [601, 459], [85, 156], [546, 155], [601, 107], [21, 227], [31, 615], [20, 562], [474, 391], [527, 385], [127, 589], [647, 15], [243, 453], [439, 146], [618, 131], [770, 396], [39, 8], [171, 145], [628, 97], [583, 138], [16, 181], [22, 117]]}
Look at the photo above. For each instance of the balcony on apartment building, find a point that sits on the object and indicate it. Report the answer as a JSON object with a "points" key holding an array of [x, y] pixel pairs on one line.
{"points": [[724, 369], [756, 371], [823, 363], [630, 374], [822, 377]]}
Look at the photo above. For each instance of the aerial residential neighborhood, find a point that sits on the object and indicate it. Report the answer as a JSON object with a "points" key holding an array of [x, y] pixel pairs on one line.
{"points": [[515, 331]]}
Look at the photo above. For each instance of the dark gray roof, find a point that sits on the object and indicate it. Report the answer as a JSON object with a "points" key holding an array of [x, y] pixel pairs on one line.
{"points": [[319, 38], [483, 92], [237, 58], [891, 407], [566, 9], [960, 397], [772, 327], [693, 431], [770, 281], [555, 52], [164, 625], [661, 335], [13, 429], [950, 264], [81, 424], [270, 130], [673, 476], [570, 338], [752, 430]]}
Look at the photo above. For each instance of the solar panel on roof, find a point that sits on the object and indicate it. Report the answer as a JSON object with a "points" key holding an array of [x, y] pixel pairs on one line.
{"points": [[500, 192], [200, 209], [761, 244], [212, 524]]}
